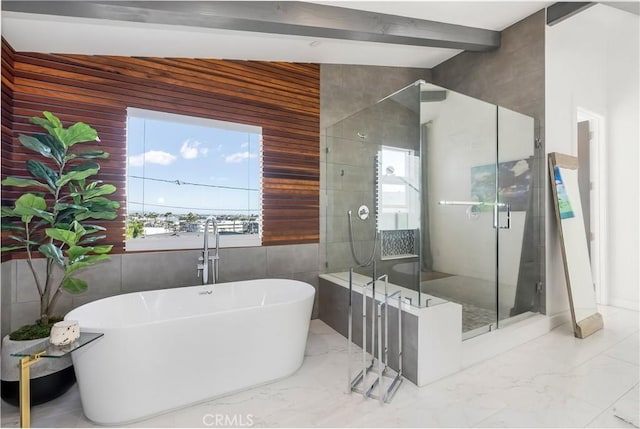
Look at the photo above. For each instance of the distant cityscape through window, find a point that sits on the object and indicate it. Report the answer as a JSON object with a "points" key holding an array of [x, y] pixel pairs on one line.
{"points": [[182, 170]]}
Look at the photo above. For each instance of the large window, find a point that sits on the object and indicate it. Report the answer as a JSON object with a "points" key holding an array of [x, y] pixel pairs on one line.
{"points": [[182, 170]]}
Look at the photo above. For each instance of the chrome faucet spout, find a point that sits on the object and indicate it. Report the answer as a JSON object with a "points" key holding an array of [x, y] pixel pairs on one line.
{"points": [[203, 267]]}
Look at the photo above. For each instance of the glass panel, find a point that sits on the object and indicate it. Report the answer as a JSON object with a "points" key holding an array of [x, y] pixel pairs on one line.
{"points": [[374, 161], [459, 240], [519, 244]]}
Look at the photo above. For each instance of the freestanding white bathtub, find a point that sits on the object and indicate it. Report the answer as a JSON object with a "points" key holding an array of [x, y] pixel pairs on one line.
{"points": [[165, 349]]}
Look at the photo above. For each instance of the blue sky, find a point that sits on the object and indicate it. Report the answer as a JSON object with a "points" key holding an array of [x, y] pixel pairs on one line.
{"points": [[191, 153]]}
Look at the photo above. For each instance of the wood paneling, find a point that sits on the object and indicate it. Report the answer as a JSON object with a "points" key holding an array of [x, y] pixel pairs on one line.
{"points": [[282, 98]]}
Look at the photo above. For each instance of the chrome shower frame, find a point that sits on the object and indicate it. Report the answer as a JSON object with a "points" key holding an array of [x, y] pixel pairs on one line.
{"points": [[359, 383]]}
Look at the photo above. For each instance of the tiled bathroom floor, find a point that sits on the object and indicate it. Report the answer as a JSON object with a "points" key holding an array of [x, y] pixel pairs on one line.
{"points": [[555, 380]]}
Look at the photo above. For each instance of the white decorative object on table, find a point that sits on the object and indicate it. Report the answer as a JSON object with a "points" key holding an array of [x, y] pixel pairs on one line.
{"points": [[64, 332]]}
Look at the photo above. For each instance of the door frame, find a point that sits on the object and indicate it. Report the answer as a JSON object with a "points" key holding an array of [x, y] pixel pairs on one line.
{"points": [[598, 208]]}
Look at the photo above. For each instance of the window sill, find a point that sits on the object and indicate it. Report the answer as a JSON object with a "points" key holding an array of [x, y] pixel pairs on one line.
{"points": [[186, 241]]}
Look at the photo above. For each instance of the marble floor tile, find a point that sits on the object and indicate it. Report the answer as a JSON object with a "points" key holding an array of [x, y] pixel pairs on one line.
{"points": [[625, 413], [627, 350], [555, 380]]}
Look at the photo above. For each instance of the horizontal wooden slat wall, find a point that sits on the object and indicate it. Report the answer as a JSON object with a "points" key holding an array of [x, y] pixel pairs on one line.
{"points": [[282, 98], [6, 118]]}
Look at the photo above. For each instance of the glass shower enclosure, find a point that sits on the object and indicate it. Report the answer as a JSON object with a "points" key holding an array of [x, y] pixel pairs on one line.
{"points": [[439, 189]]}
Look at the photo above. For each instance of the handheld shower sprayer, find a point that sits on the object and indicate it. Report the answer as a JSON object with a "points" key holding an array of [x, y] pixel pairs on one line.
{"points": [[363, 213]]}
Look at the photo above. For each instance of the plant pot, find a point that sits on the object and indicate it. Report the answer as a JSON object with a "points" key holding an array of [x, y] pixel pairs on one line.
{"points": [[50, 377]]}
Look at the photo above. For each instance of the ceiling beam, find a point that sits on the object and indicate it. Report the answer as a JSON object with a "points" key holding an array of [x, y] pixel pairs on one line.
{"points": [[276, 17], [560, 11]]}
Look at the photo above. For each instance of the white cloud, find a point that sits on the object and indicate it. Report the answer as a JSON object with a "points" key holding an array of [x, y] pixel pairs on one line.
{"points": [[161, 200], [190, 149], [238, 157], [244, 145], [151, 157]]}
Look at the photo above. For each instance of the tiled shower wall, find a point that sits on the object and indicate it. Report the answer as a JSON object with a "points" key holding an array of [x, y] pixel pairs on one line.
{"points": [[135, 272]]}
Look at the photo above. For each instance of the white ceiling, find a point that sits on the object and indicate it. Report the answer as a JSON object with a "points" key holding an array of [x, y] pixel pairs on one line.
{"points": [[53, 34]]}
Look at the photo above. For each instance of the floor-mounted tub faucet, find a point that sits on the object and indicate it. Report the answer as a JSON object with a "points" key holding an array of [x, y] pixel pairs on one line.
{"points": [[203, 265]]}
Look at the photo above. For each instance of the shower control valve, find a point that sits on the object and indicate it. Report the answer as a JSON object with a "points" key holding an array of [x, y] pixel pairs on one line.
{"points": [[363, 212]]}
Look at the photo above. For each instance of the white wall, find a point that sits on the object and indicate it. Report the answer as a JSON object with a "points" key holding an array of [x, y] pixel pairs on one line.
{"points": [[592, 63]]}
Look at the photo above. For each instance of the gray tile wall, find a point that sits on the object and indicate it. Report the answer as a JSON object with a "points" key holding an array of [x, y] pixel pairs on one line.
{"points": [[133, 272], [514, 77]]}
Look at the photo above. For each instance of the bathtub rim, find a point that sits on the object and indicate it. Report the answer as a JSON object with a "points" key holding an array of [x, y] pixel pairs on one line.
{"points": [[106, 328]]}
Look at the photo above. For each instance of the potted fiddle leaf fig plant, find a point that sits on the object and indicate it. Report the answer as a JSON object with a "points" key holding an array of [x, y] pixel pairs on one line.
{"points": [[54, 219]]}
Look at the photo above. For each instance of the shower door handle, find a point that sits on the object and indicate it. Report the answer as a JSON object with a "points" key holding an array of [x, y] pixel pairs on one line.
{"points": [[496, 210], [496, 216], [462, 203]]}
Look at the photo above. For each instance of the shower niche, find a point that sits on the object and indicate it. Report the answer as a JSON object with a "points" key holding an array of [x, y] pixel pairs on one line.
{"points": [[454, 187]]}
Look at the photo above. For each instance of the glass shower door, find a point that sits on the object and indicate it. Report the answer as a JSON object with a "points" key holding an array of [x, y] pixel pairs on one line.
{"points": [[519, 243], [460, 212]]}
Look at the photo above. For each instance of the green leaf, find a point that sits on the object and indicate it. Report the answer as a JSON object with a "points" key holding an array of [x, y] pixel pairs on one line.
{"points": [[90, 165], [78, 229], [89, 154], [86, 262], [97, 215], [22, 183], [76, 133], [31, 201], [7, 211], [78, 174], [58, 151], [101, 203], [63, 206], [53, 119], [29, 205], [52, 252], [100, 190], [41, 171], [35, 145], [27, 214], [73, 285], [102, 249], [44, 123], [92, 259], [74, 252], [11, 227], [23, 240], [90, 240], [93, 228], [10, 248], [67, 237]]}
